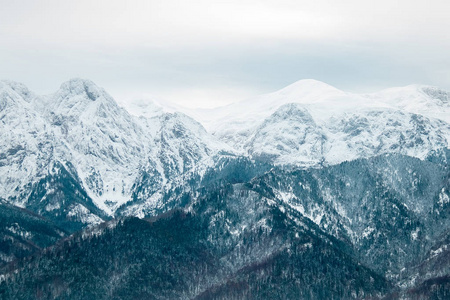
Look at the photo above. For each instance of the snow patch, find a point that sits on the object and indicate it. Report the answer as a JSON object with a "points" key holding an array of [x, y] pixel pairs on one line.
{"points": [[81, 214], [367, 232]]}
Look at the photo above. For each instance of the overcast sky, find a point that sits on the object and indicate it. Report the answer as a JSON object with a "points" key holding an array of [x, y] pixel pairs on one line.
{"points": [[208, 53]]}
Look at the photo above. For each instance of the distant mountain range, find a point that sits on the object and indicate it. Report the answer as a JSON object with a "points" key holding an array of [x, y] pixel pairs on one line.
{"points": [[309, 192]]}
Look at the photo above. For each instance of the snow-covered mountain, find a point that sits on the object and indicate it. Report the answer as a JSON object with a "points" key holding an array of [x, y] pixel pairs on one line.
{"points": [[311, 123], [81, 129], [131, 160], [24, 150]]}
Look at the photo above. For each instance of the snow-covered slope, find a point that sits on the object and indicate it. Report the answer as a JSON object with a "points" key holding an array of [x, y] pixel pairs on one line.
{"points": [[289, 135], [102, 140], [24, 152], [420, 99], [366, 133], [181, 149]]}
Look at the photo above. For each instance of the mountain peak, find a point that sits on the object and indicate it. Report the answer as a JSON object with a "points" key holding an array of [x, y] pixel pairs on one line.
{"points": [[78, 86], [78, 97], [19, 88], [308, 86], [295, 110]]}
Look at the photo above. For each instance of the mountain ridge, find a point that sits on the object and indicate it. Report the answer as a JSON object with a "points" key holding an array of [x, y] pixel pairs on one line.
{"points": [[109, 148]]}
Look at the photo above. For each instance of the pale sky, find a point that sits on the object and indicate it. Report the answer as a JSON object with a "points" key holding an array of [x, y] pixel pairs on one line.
{"points": [[209, 53]]}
